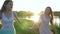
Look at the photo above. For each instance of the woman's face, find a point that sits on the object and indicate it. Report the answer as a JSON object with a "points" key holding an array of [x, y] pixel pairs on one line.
{"points": [[47, 11], [9, 6]]}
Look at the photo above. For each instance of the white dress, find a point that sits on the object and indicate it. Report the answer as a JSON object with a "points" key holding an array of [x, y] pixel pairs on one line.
{"points": [[7, 25], [44, 27]]}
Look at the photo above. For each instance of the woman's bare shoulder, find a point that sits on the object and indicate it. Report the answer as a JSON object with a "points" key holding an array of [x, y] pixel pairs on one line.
{"points": [[42, 15]]}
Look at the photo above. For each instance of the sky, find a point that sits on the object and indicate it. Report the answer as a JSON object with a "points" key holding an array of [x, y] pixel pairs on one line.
{"points": [[34, 5]]}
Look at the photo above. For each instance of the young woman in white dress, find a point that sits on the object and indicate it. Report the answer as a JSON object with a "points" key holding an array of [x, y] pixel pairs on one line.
{"points": [[46, 18], [7, 18]]}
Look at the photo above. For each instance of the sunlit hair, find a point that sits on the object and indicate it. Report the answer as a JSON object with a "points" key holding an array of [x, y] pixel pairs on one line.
{"points": [[51, 13], [4, 5]]}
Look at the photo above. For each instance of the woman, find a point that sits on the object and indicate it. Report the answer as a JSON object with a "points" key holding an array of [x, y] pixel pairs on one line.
{"points": [[7, 18], [46, 18]]}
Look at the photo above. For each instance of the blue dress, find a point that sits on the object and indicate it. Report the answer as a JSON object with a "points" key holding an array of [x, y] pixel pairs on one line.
{"points": [[7, 25]]}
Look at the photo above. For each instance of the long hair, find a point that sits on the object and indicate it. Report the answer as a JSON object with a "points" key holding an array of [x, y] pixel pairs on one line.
{"points": [[4, 5], [51, 13]]}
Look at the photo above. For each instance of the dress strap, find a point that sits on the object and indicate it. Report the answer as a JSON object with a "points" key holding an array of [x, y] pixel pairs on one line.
{"points": [[4, 17]]}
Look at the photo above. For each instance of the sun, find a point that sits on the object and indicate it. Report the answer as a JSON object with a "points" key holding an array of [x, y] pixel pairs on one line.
{"points": [[35, 17]]}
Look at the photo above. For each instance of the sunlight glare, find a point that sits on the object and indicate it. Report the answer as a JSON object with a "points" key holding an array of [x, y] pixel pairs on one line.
{"points": [[35, 18]]}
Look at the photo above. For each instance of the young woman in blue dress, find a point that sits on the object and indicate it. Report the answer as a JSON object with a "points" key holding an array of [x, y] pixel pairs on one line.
{"points": [[7, 18]]}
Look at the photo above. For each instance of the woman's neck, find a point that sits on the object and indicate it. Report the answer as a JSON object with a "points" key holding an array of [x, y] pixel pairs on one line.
{"points": [[46, 14], [8, 13], [8, 10]]}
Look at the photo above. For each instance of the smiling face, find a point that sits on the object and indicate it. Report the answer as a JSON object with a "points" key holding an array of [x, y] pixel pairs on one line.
{"points": [[9, 6], [48, 10]]}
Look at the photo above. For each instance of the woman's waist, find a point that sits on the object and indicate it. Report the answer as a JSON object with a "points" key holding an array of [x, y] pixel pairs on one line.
{"points": [[44, 25], [7, 24], [7, 27]]}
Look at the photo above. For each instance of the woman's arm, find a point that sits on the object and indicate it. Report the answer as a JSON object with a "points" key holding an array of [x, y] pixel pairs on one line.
{"points": [[16, 17]]}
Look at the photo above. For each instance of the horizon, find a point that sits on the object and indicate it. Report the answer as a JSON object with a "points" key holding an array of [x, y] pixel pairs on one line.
{"points": [[35, 6]]}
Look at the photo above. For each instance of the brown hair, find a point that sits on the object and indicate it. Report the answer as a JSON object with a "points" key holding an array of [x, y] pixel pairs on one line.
{"points": [[4, 5], [51, 14]]}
